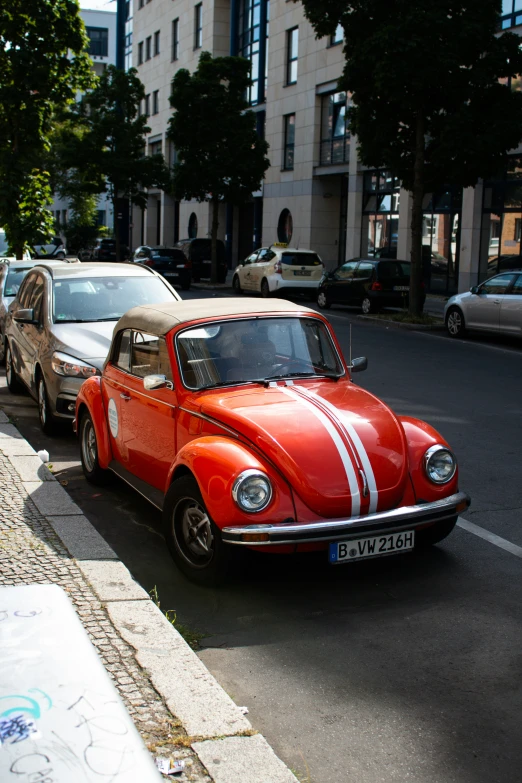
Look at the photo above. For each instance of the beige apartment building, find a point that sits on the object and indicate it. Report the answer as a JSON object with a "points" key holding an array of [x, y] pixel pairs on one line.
{"points": [[315, 194]]}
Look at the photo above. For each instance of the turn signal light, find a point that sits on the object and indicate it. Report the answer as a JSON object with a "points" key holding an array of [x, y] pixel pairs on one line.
{"points": [[376, 287], [255, 537], [461, 507]]}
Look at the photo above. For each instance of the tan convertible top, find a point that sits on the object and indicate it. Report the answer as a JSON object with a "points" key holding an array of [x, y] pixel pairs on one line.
{"points": [[161, 318]]}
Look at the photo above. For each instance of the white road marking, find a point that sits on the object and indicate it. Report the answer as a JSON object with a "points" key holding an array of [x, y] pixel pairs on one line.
{"points": [[491, 537]]}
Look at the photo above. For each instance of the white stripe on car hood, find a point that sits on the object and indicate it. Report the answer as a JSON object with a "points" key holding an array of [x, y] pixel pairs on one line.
{"points": [[341, 448]]}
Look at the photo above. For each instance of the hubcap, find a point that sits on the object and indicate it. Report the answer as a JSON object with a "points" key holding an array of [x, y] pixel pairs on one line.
{"points": [[321, 300], [366, 306], [454, 322], [8, 366], [42, 402], [89, 446], [193, 532]]}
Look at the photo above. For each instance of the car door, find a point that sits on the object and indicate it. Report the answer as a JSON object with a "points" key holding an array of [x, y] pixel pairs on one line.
{"points": [[511, 309], [17, 341], [261, 267], [32, 334], [244, 272], [361, 281], [483, 308], [342, 277], [114, 393]]}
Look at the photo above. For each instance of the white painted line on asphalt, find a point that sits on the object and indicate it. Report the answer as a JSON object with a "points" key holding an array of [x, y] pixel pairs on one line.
{"points": [[491, 537]]}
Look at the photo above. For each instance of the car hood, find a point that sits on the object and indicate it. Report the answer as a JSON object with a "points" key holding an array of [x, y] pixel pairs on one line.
{"points": [[89, 341], [340, 448]]}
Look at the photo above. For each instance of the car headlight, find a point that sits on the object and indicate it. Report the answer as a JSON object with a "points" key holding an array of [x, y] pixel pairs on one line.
{"points": [[252, 491], [440, 464], [63, 364]]}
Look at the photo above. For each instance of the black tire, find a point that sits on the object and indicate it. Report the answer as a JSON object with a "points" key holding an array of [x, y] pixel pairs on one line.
{"points": [[455, 323], [14, 384], [3, 344], [265, 288], [437, 532], [322, 301], [89, 453], [48, 423], [236, 285], [182, 510], [368, 306]]}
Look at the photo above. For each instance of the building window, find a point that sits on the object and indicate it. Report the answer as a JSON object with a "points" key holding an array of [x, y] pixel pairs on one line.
{"points": [[155, 102], [148, 47], [289, 142], [100, 217], [193, 226], [285, 226], [140, 53], [292, 45], [156, 43], [98, 41], [502, 223], [141, 4], [155, 148], [335, 136], [253, 44], [175, 40], [511, 13], [198, 26], [380, 215], [337, 37], [147, 105]]}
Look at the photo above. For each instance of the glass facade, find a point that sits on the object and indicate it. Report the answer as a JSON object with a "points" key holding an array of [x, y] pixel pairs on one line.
{"points": [[501, 223], [511, 14], [335, 137], [289, 142], [441, 239], [253, 44], [380, 224]]}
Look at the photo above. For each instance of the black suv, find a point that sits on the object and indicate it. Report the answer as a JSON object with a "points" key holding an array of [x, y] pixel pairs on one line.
{"points": [[369, 283], [105, 250], [199, 254], [171, 262]]}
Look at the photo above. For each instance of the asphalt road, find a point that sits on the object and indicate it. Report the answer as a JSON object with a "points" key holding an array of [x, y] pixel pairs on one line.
{"points": [[403, 669]]}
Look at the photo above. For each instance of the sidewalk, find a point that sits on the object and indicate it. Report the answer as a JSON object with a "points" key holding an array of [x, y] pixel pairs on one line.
{"points": [[178, 708]]}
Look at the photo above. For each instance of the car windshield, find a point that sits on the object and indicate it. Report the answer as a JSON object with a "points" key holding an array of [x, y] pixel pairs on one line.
{"points": [[90, 299], [256, 350], [14, 281]]}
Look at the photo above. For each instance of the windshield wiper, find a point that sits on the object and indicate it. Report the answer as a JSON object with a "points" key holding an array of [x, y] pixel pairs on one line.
{"points": [[331, 375], [237, 382], [266, 381]]}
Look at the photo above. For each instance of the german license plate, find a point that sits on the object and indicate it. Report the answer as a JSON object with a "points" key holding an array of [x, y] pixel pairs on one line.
{"points": [[302, 272], [401, 287], [171, 274], [359, 548]]}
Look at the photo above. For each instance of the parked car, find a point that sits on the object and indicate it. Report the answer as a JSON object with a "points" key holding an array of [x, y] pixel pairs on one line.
{"points": [[199, 255], [504, 263], [6, 252], [279, 269], [105, 250], [12, 274], [493, 306], [53, 249], [170, 262], [369, 283], [59, 328], [238, 419]]}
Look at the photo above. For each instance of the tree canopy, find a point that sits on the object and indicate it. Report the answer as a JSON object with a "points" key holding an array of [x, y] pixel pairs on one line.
{"points": [[428, 84], [220, 155], [43, 63]]}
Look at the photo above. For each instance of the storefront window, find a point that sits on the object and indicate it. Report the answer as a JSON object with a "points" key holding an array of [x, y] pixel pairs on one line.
{"points": [[380, 215], [440, 239], [501, 223]]}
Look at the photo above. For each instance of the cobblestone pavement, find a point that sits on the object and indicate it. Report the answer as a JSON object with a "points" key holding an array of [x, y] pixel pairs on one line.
{"points": [[32, 553]]}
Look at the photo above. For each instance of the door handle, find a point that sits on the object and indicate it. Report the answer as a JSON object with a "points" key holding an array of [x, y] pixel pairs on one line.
{"points": [[125, 397]]}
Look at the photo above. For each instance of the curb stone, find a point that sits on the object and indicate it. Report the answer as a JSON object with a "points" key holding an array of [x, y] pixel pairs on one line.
{"points": [[404, 325], [191, 693]]}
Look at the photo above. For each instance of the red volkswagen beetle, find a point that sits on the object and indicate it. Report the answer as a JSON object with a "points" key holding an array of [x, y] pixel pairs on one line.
{"points": [[239, 419]]}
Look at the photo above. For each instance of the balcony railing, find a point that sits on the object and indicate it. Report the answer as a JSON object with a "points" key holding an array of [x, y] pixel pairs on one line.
{"points": [[335, 151]]}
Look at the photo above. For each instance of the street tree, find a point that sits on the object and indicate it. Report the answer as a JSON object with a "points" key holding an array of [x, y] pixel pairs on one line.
{"points": [[109, 153], [43, 63], [220, 156], [431, 101]]}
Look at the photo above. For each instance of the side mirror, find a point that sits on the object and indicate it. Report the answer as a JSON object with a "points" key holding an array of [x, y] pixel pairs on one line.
{"points": [[153, 382], [360, 364], [474, 289], [25, 316]]}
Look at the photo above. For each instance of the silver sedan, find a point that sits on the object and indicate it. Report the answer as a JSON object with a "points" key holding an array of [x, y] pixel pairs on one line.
{"points": [[493, 306], [59, 328]]}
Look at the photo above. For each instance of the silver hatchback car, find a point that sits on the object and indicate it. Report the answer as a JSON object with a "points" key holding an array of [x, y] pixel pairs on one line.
{"points": [[59, 328], [494, 306]]}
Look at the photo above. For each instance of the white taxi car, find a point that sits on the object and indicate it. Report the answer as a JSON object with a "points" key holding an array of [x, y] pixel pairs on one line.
{"points": [[278, 269]]}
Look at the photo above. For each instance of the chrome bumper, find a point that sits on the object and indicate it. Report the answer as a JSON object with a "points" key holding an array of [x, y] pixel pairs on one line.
{"points": [[397, 519]]}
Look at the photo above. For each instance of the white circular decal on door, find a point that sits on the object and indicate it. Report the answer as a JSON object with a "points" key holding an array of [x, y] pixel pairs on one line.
{"points": [[113, 418]]}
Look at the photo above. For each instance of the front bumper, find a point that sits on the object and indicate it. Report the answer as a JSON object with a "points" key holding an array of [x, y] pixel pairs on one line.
{"points": [[395, 520]]}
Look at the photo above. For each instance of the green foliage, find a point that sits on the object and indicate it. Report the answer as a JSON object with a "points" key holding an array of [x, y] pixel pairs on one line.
{"points": [[42, 65], [30, 221], [192, 638], [424, 78]]}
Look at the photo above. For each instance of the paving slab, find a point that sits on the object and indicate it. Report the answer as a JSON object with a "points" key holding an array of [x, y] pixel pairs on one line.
{"points": [[81, 539], [3, 418], [31, 468], [112, 581], [9, 431], [50, 498], [16, 447], [242, 760], [176, 671]]}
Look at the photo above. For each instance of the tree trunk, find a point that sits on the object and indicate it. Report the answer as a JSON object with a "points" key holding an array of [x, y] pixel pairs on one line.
{"points": [[115, 227], [215, 226], [18, 250], [416, 221]]}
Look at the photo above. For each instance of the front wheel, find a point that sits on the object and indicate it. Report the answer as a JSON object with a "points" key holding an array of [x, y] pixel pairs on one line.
{"points": [[435, 533], [265, 288], [322, 301], [455, 322], [2, 349], [14, 384], [368, 306], [48, 423], [89, 453], [193, 539], [236, 285]]}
